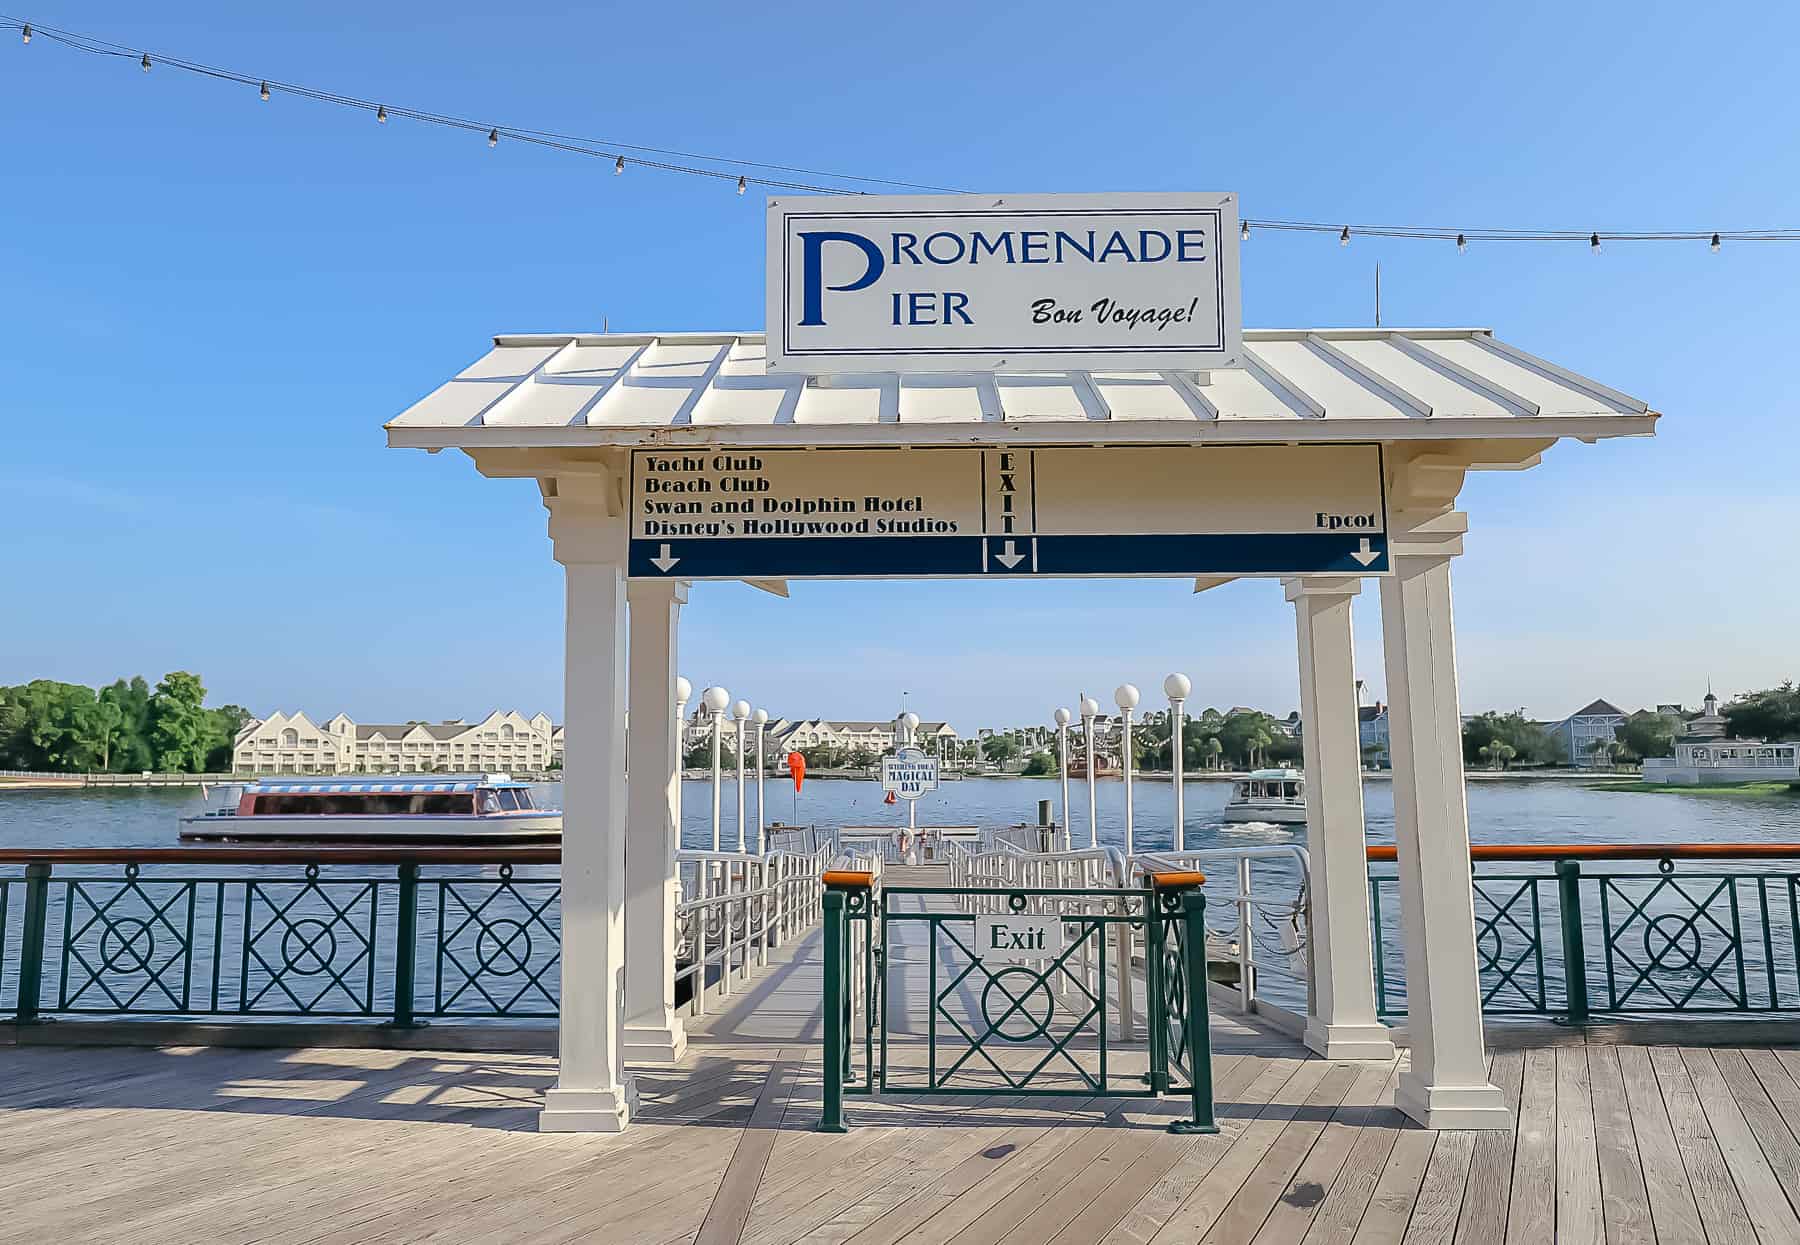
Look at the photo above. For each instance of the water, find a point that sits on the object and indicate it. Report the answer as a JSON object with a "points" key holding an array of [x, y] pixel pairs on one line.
{"points": [[1499, 812]]}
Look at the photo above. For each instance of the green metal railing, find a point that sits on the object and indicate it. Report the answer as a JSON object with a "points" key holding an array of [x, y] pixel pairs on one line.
{"points": [[1056, 1025], [1575, 933]]}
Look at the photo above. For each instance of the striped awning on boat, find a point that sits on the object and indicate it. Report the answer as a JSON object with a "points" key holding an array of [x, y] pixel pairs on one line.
{"points": [[370, 786]]}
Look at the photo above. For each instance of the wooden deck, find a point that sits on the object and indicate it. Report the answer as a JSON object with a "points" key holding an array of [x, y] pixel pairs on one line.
{"points": [[1614, 1144]]}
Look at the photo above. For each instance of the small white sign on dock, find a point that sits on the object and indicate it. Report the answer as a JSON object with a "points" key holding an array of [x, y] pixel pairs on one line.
{"points": [[1019, 936]]}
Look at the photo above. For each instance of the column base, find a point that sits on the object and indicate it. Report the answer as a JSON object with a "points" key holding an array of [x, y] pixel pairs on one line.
{"points": [[1452, 1106], [1352, 1041], [655, 1044], [588, 1110]]}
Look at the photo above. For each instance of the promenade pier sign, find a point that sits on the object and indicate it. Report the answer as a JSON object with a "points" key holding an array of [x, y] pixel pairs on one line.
{"points": [[945, 283], [968, 512]]}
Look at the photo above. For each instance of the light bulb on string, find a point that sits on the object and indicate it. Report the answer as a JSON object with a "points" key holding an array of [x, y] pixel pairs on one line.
{"points": [[381, 113], [1244, 232], [264, 92], [618, 166], [1344, 237], [25, 34], [1715, 244], [1462, 245], [1594, 243], [742, 184], [494, 137], [145, 63]]}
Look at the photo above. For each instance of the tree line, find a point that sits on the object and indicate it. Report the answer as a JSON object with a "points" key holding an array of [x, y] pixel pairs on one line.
{"points": [[125, 727], [1503, 740]]}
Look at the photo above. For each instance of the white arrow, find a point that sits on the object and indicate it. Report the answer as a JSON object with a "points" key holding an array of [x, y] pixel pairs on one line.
{"points": [[1010, 558], [664, 563], [1363, 556]]}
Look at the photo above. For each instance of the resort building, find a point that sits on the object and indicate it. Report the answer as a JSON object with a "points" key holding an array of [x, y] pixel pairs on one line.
{"points": [[1576, 735], [1704, 755], [936, 738], [1372, 732], [286, 743]]}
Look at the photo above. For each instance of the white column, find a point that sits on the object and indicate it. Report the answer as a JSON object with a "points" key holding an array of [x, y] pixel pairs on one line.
{"points": [[1342, 1023], [592, 1092], [1447, 1085], [653, 1031]]}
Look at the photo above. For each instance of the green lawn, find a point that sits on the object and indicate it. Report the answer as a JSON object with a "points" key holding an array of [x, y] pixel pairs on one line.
{"points": [[1752, 790]]}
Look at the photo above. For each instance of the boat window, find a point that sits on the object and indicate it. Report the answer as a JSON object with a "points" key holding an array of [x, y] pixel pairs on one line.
{"points": [[509, 798], [1290, 790], [490, 801], [439, 803]]}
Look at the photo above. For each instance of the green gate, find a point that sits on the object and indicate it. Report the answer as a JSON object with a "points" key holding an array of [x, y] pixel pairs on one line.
{"points": [[913, 1006]]}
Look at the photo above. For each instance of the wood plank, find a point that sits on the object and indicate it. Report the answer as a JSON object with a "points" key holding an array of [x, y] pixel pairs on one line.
{"points": [[1348, 1200], [1209, 1197], [1625, 1201], [1780, 1146], [730, 1209], [1439, 1203], [1673, 1213], [1577, 1153], [1242, 1216], [1768, 1207], [1482, 1220], [1299, 1201], [1532, 1218], [1715, 1195], [1391, 1205]]}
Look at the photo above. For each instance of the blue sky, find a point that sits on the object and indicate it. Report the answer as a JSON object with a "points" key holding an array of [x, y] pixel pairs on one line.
{"points": [[211, 304]]}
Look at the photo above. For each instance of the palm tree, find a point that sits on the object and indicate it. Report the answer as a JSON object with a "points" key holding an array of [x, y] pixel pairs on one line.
{"points": [[1213, 749], [1498, 753]]}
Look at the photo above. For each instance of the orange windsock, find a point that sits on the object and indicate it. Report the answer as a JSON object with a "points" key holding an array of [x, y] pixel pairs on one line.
{"points": [[797, 767]]}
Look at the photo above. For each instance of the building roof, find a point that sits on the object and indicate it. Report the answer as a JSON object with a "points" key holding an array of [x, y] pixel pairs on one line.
{"points": [[597, 389], [1599, 709]]}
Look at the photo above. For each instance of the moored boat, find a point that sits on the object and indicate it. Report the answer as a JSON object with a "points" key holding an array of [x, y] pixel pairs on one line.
{"points": [[1275, 795], [419, 808]]}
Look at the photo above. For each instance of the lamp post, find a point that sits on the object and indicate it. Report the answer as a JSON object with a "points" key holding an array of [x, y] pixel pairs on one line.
{"points": [[684, 691], [1062, 756], [1090, 709], [1177, 687], [910, 722], [761, 718], [716, 699], [741, 712], [1126, 697]]}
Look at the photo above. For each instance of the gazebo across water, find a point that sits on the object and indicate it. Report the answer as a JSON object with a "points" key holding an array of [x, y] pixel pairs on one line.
{"points": [[1418, 408]]}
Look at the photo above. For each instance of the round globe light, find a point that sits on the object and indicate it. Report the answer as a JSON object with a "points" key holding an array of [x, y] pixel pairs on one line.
{"points": [[1177, 686], [760, 717], [1125, 696], [684, 691], [1090, 708], [716, 699], [741, 711], [911, 720], [1061, 716]]}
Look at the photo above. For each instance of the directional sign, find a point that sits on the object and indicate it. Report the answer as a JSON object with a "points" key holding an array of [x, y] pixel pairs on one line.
{"points": [[909, 774], [1056, 511], [1019, 936]]}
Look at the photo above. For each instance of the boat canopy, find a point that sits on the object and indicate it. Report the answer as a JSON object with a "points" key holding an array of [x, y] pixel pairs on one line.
{"points": [[381, 786]]}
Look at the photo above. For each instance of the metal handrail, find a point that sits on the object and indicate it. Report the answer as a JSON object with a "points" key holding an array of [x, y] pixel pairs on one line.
{"points": [[1386, 853]]}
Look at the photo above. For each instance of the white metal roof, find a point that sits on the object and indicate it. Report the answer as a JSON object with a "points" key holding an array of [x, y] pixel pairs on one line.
{"points": [[587, 389]]}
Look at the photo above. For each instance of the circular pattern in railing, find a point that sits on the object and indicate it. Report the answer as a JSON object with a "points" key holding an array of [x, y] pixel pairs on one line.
{"points": [[300, 947], [126, 945], [503, 948], [1017, 1017], [1676, 941]]}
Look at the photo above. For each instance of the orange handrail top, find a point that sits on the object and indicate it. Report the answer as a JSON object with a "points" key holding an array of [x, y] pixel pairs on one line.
{"points": [[1616, 851], [1177, 877], [848, 877]]}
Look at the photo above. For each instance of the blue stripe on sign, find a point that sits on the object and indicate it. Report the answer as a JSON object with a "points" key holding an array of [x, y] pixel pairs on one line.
{"points": [[885, 557]]}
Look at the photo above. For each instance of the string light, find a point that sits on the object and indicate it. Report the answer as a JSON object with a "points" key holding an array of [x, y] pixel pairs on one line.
{"points": [[1462, 245], [793, 177]]}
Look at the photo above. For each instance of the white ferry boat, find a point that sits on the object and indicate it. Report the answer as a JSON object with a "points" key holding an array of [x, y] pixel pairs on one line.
{"points": [[1276, 795], [416, 809]]}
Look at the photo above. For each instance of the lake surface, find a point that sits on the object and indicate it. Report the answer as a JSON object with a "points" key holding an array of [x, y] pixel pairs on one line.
{"points": [[1499, 812]]}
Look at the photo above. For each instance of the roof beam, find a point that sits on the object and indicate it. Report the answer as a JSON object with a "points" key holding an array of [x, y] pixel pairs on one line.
{"points": [[774, 587], [1282, 387], [1574, 380], [1389, 391], [1457, 372]]}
